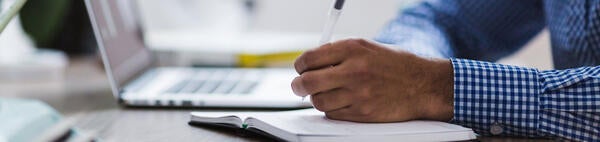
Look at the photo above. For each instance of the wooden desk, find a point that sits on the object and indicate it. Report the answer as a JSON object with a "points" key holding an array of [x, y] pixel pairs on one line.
{"points": [[84, 93]]}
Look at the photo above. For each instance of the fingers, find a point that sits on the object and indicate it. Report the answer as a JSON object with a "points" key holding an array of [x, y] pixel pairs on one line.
{"points": [[326, 55], [316, 81], [332, 100]]}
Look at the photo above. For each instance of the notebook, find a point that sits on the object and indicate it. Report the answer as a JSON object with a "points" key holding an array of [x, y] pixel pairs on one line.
{"points": [[309, 125]]}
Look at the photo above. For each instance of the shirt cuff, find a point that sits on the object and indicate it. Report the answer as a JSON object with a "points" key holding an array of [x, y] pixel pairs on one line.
{"points": [[495, 99]]}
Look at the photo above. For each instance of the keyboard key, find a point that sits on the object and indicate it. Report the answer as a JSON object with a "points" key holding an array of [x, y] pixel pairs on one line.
{"points": [[250, 87], [208, 87], [218, 81], [244, 87], [192, 86], [225, 87], [177, 87]]}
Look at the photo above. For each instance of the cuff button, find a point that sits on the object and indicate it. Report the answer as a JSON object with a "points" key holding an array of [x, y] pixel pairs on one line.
{"points": [[496, 129]]}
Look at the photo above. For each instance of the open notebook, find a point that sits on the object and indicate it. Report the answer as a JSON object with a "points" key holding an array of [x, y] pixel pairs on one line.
{"points": [[311, 125]]}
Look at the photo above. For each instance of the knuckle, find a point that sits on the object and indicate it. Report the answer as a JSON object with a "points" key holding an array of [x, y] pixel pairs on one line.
{"points": [[311, 53], [302, 62], [361, 41], [365, 93], [347, 40], [354, 46], [298, 66], [337, 49], [362, 72], [356, 50]]}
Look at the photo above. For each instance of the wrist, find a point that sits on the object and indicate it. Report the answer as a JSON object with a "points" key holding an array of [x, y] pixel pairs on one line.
{"points": [[440, 106]]}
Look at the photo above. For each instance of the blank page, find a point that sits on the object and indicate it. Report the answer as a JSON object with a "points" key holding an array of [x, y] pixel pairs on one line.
{"points": [[313, 122]]}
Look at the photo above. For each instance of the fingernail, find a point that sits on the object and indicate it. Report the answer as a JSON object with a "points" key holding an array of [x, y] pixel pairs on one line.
{"points": [[298, 88]]}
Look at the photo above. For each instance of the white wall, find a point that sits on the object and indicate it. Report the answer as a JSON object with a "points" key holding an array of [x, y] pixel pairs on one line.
{"points": [[361, 18], [364, 18]]}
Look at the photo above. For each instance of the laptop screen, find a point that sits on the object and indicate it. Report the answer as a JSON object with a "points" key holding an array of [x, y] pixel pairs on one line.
{"points": [[119, 36]]}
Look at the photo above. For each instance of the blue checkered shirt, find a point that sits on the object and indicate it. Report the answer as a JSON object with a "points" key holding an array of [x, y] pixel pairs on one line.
{"points": [[496, 99]]}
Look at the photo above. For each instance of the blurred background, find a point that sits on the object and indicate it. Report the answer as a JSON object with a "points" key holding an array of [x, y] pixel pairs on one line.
{"points": [[49, 51], [52, 40], [52, 43]]}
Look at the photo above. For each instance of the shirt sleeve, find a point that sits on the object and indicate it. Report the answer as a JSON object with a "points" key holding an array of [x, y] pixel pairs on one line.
{"points": [[496, 99], [472, 29]]}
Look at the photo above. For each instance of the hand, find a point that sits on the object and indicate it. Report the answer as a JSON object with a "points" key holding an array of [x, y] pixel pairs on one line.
{"points": [[358, 80]]}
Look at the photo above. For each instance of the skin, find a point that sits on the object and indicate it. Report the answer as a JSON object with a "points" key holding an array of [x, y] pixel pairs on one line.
{"points": [[362, 81]]}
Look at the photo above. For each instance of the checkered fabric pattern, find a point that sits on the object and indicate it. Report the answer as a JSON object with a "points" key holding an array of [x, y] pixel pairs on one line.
{"points": [[496, 99]]}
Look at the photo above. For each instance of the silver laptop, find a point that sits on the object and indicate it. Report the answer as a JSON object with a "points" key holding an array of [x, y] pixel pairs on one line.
{"points": [[135, 82]]}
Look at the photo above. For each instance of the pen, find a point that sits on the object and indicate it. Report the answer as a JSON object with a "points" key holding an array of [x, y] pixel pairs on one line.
{"points": [[334, 15]]}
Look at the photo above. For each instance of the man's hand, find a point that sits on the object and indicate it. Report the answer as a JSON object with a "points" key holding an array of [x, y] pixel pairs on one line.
{"points": [[358, 80]]}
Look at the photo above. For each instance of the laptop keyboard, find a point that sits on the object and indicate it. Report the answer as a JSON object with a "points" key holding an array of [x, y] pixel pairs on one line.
{"points": [[217, 81]]}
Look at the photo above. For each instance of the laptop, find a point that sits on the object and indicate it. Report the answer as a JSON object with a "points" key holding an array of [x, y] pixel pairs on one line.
{"points": [[135, 81]]}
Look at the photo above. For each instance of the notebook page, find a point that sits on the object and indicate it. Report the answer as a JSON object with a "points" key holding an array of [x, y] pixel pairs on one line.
{"points": [[241, 115], [313, 122], [236, 118]]}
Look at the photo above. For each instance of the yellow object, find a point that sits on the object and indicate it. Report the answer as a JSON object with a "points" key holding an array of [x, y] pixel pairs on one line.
{"points": [[268, 60]]}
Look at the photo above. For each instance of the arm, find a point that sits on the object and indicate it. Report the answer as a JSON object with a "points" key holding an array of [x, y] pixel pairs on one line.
{"points": [[473, 29], [508, 100], [362, 81]]}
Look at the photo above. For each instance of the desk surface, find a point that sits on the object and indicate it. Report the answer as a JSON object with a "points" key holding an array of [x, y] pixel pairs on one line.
{"points": [[84, 93]]}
